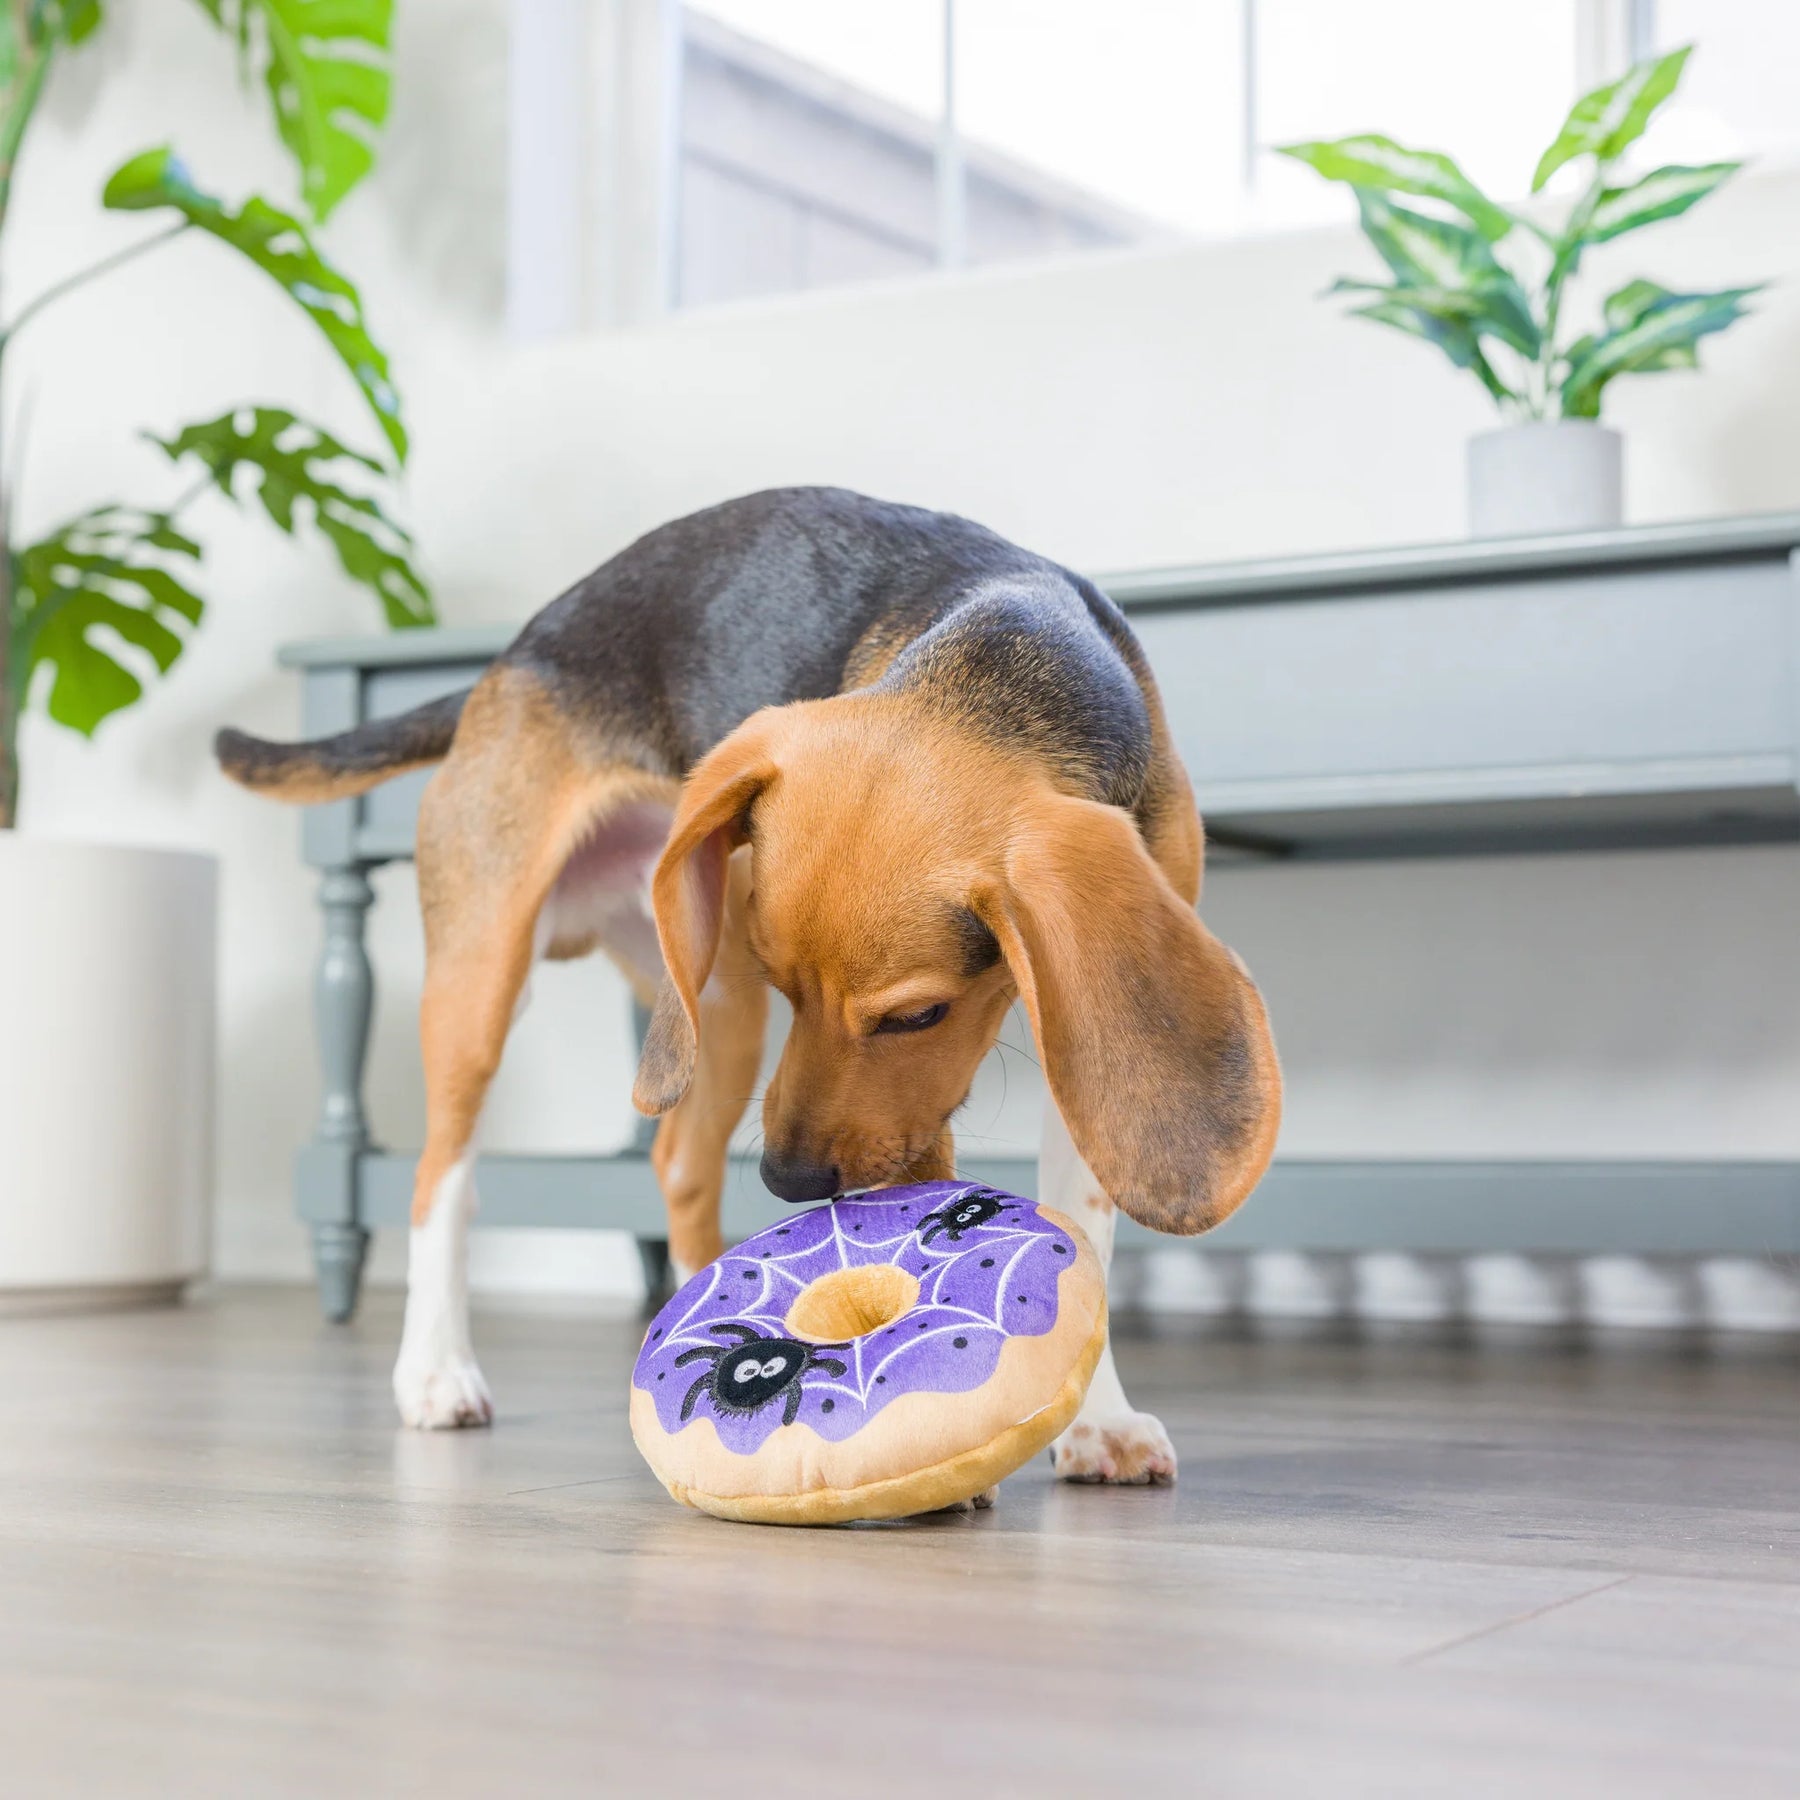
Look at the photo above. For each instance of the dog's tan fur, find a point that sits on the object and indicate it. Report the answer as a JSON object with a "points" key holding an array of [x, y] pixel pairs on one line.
{"points": [[871, 823]]}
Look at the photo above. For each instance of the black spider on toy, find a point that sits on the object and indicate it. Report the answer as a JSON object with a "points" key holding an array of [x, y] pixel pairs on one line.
{"points": [[746, 1374], [975, 1207]]}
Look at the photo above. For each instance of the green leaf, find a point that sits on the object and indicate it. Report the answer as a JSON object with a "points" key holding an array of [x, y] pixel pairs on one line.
{"points": [[1663, 194], [1625, 307], [327, 67], [1496, 309], [1421, 250], [1604, 122], [102, 573], [277, 243], [1676, 356], [1585, 405], [1662, 333], [1371, 161], [1439, 257], [1566, 248], [71, 20], [297, 471], [1456, 339]]}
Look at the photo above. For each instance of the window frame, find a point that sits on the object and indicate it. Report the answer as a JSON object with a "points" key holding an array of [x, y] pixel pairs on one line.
{"points": [[594, 147]]}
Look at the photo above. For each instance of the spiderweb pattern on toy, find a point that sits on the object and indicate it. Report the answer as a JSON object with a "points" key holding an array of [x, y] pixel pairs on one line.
{"points": [[973, 1295]]}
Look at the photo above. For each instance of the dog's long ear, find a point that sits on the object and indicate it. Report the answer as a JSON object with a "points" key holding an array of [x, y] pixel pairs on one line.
{"points": [[688, 893], [1153, 1037]]}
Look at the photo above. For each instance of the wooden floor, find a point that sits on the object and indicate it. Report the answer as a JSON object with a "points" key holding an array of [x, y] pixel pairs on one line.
{"points": [[1393, 1566]]}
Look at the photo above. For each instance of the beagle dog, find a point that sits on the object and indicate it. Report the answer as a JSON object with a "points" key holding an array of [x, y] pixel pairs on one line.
{"points": [[885, 762]]}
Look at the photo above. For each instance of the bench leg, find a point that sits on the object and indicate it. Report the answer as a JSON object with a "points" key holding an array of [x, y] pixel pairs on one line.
{"points": [[343, 1008], [338, 1252]]}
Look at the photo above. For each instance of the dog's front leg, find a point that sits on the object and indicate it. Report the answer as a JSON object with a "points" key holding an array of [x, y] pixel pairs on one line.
{"points": [[1109, 1441], [693, 1142]]}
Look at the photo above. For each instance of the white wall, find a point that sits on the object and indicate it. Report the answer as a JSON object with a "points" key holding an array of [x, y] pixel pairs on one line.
{"points": [[1135, 409]]}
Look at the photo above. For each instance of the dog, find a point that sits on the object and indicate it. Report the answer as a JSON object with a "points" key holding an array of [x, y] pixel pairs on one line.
{"points": [[883, 761]]}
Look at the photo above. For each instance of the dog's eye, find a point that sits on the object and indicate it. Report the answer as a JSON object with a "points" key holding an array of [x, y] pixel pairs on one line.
{"points": [[922, 1020]]}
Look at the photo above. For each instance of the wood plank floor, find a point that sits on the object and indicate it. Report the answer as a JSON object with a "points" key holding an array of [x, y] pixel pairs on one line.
{"points": [[1393, 1566]]}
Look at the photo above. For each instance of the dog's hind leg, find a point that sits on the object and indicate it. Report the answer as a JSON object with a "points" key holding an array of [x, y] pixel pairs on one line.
{"points": [[693, 1142], [496, 827]]}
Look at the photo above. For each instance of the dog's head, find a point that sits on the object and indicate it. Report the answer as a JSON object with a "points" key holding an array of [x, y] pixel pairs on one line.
{"points": [[908, 883]]}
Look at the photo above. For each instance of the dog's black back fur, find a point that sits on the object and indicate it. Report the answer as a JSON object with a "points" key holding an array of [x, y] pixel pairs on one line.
{"points": [[790, 594], [796, 594]]}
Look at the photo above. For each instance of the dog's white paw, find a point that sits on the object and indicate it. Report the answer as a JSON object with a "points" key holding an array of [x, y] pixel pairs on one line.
{"points": [[1129, 1449], [442, 1396]]}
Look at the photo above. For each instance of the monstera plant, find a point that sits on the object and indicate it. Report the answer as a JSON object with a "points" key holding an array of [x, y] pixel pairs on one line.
{"points": [[96, 607], [1488, 284]]}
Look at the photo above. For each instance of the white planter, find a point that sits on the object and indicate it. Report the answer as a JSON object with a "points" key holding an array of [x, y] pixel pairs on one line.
{"points": [[106, 1071], [1549, 475]]}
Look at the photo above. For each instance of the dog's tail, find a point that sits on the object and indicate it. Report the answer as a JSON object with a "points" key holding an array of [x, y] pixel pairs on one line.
{"points": [[334, 768]]}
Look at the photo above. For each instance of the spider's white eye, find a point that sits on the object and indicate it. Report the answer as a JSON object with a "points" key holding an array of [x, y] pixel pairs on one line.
{"points": [[747, 1370], [774, 1365]]}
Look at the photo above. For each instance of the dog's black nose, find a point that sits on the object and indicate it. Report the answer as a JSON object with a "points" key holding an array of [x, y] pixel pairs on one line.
{"points": [[795, 1178]]}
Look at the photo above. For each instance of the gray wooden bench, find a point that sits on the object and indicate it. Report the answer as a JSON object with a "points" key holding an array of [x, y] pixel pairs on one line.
{"points": [[1629, 688]]}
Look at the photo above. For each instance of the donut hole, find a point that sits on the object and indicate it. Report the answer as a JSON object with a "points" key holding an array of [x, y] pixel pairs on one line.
{"points": [[850, 1303]]}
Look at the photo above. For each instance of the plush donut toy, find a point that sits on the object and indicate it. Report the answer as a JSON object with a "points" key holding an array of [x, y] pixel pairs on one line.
{"points": [[882, 1355]]}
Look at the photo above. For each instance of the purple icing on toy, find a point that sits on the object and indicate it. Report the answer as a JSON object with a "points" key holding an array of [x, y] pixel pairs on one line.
{"points": [[987, 1265]]}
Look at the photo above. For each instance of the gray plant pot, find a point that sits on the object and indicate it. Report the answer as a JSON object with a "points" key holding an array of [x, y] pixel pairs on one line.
{"points": [[1545, 476]]}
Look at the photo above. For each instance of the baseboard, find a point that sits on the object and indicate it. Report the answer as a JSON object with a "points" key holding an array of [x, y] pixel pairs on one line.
{"points": [[112, 1296], [1553, 1208]]}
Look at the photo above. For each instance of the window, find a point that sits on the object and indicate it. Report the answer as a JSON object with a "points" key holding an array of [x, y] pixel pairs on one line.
{"points": [[808, 144], [1741, 96], [822, 142], [668, 154], [1490, 85], [1135, 106]]}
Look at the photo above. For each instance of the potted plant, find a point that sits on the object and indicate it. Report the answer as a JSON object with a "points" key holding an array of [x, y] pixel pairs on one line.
{"points": [[1488, 285], [107, 953]]}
